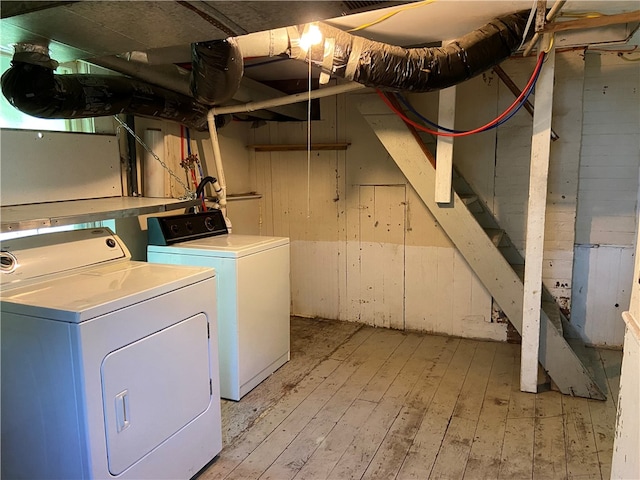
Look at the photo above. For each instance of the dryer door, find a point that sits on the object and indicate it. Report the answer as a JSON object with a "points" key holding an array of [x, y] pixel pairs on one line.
{"points": [[154, 387]]}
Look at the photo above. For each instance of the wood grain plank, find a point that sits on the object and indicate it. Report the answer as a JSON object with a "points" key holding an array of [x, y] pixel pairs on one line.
{"points": [[234, 454], [378, 385], [582, 458], [603, 414], [365, 444], [319, 411], [312, 341], [484, 457], [517, 450], [612, 363], [548, 448], [427, 443], [460, 434], [333, 446], [393, 449]]}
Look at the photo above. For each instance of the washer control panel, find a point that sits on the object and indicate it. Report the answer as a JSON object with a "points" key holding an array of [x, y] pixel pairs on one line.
{"points": [[181, 228]]}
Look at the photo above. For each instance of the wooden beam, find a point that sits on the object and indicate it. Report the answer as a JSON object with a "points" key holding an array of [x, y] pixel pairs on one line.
{"points": [[555, 10], [536, 212], [444, 145], [298, 147], [510, 84], [594, 22]]}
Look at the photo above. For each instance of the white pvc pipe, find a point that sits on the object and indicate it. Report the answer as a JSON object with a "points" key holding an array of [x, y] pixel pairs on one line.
{"points": [[288, 99], [217, 157], [269, 43]]}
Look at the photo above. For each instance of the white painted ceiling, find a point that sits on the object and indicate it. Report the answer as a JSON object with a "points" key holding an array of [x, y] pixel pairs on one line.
{"points": [[450, 19]]}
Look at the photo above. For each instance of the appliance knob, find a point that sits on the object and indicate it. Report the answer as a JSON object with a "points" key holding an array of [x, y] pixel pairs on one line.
{"points": [[8, 263], [111, 243], [174, 229], [189, 226], [208, 222]]}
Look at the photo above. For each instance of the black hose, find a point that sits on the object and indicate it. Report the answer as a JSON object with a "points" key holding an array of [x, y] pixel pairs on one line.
{"points": [[203, 183]]}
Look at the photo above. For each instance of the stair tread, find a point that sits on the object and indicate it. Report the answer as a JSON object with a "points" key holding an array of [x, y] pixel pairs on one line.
{"points": [[495, 234], [553, 312], [468, 198], [563, 365]]}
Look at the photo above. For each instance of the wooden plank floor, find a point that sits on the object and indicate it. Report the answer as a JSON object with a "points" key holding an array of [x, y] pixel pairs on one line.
{"points": [[358, 402]]}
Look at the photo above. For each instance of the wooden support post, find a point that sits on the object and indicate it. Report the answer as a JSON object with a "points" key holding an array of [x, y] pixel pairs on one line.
{"points": [[534, 248], [444, 146]]}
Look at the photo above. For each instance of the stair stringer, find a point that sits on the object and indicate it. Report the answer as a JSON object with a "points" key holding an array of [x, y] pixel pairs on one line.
{"points": [[555, 355]]}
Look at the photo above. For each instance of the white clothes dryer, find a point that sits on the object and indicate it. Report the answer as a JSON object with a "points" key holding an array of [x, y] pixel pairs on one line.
{"points": [[109, 366], [253, 292]]}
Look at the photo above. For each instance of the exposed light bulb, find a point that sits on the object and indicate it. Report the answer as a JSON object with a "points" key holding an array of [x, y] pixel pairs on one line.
{"points": [[311, 36]]}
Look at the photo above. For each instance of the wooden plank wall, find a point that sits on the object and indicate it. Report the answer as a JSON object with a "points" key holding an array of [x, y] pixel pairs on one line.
{"points": [[512, 169], [367, 250], [606, 223], [610, 158], [331, 244]]}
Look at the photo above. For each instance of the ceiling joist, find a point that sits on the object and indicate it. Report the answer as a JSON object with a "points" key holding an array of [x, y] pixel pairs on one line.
{"points": [[593, 22]]}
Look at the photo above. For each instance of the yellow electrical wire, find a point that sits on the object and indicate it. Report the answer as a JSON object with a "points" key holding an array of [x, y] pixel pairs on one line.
{"points": [[582, 14], [391, 14], [553, 37]]}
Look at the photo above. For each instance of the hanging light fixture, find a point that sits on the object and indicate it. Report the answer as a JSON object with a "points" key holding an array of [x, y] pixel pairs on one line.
{"points": [[311, 36]]}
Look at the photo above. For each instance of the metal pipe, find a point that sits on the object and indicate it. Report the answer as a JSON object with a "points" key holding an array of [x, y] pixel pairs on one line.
{"points": [[289, 99], [217, 157]]}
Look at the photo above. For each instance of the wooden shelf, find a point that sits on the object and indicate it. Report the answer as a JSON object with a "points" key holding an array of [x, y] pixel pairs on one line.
{"points": [[298, 147], [53, 214]]}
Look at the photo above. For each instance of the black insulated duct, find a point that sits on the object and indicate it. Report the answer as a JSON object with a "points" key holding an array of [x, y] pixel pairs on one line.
{"points": [[216, 70], [389, 67], [31, 86]]}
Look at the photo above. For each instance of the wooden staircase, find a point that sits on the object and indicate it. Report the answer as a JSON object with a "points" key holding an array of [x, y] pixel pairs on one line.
{"points": [[487, 249]]}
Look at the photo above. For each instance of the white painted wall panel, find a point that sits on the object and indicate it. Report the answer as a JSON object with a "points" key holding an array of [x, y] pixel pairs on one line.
{"points": [[602, 279], [496, 165], [608, 183], [314, 279], [444, 296], [381, 269], [42, 167], [513, 151]]}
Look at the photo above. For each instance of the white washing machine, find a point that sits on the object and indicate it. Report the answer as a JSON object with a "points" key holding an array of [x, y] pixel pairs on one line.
{"points": [[253, 292], [109, 366]]}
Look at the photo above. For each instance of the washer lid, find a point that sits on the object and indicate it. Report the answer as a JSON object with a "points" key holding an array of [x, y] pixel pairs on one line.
{"points": [[231, 245], [95, 291]]}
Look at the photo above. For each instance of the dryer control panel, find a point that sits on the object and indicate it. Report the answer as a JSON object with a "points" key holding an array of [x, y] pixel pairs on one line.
{"points": [[27, 258], [189, 226]]}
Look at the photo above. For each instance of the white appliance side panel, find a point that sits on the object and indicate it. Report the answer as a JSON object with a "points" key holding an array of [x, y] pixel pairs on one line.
{"points": [[103, 335], [60, 371], [152, 388], [263, 314], [41, 428], [227, 310]]}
